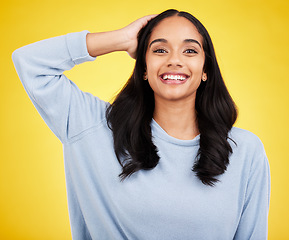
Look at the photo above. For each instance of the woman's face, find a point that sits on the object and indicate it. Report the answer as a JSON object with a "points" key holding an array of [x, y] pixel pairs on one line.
{"points": [[175, 60]]}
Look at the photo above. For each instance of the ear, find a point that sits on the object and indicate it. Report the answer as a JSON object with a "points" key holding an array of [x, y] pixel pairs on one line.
{"points": [[145, 76], [204, 77]]}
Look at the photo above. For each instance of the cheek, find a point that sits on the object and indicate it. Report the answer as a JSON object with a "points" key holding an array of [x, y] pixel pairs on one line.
{"points": [[153, 66], [197, 67]]}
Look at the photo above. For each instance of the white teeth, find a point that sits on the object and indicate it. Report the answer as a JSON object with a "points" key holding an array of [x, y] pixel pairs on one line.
{"points": [[174, 77]]}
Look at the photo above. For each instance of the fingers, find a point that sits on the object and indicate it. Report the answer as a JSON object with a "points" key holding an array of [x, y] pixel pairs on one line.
{"points": [[131, 32], [147, 18]]}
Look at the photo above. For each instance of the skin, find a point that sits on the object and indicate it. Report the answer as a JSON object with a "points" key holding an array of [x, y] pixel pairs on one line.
{"points": [[174, 102], [124, 39], [170, 52]]}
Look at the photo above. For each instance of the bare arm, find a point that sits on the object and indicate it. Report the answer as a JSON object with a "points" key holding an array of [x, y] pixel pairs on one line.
{"points": [[124, 39]]}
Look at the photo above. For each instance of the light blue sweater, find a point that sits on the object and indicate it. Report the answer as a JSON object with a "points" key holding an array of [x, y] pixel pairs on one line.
{"points": [[168, 202]]}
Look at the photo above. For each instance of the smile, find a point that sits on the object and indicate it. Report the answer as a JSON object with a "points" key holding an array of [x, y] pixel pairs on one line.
{"points": [[174, 78]]}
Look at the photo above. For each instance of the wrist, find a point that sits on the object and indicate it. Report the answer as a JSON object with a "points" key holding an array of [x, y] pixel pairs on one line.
{"points": [[106, 42], [121, 40]]}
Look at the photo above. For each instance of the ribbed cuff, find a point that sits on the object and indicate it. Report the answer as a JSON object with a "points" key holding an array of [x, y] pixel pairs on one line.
{"points": [[76, 44]]}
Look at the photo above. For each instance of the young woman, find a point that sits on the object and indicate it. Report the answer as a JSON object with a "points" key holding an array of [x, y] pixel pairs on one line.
{"points": [[163, 160]]}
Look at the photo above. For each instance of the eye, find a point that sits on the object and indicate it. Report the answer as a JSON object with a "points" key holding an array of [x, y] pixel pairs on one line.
{"points": [[160, 50], [190, 50]]}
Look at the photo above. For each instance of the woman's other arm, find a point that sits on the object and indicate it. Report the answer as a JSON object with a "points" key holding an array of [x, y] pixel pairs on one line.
{"points": [[253, 222]]}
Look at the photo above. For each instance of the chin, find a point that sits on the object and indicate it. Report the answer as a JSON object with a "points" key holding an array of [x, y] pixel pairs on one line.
{"points": [[176, 98]]}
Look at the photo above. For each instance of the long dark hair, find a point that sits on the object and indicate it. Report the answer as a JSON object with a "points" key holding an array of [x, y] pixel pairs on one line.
{"points": [[131, 113]]}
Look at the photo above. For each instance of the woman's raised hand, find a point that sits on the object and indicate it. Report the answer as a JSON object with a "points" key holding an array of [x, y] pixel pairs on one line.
{"points": [[124, 39], [131, 31]]}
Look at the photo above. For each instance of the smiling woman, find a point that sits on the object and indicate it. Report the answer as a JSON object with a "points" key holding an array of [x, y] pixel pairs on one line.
{"points": [[174, 44], [174, 115]]}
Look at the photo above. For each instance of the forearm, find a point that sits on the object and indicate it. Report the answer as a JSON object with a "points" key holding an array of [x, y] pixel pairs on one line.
{"points": [[106, 42], [124, 39]]}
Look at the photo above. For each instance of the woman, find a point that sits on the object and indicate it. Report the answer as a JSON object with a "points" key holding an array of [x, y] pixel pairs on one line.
{"points": [[173, 116]]}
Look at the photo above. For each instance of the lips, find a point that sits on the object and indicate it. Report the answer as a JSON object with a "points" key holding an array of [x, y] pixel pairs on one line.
{"points": [[174, 78]]}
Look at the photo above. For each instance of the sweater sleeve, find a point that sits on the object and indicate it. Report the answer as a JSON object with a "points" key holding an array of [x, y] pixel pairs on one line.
{"points": [[64, 107], [253, 224]]}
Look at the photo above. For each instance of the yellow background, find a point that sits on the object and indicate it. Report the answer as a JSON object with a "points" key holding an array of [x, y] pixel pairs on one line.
{"points": [[251, 40]]}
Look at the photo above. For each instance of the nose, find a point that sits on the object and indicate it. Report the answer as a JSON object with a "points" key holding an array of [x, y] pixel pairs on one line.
{"points": [[174, 60]]}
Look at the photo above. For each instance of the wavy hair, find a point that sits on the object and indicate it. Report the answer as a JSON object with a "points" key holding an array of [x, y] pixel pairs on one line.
{"points": [[130, 115]]}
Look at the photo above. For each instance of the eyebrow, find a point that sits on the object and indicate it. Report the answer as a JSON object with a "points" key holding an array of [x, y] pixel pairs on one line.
{"points": [[193, 41], [165, 41], [158, 40]]}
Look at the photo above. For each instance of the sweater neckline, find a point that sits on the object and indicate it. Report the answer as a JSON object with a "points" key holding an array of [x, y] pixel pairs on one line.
{"points": [[158, 131]]}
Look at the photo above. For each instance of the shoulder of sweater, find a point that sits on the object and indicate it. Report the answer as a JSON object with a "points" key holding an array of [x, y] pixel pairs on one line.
{"points": [[245, 138]]}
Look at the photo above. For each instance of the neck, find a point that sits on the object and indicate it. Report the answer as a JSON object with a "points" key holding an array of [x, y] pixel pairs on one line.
{"points": [[177, 118]]}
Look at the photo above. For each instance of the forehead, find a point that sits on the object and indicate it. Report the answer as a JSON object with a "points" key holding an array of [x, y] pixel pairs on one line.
{"points": [[174, 28]]}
